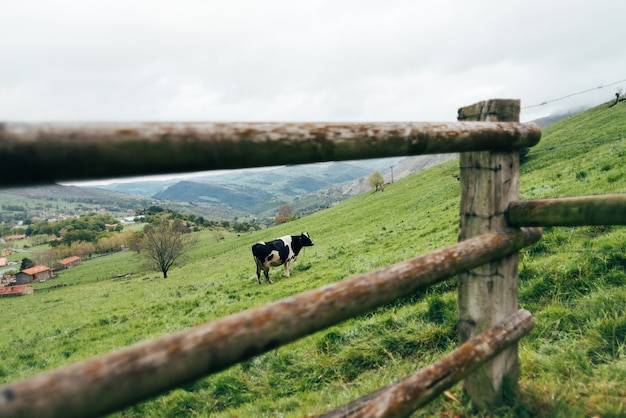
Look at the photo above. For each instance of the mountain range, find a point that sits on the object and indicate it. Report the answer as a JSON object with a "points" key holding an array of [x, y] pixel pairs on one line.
{"points": [[259, 192]]}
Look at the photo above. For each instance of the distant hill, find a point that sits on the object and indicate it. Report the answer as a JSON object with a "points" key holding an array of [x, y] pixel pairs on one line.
{"points": [[259, 192], [73, 193], [236, 197], [143, 188], [50, 201], [549, 120], [80, 196]]}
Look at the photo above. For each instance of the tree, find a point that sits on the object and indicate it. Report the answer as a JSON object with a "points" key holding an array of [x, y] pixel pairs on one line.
{"points": [[285, 214], [27, 263], [163, 245], [376, 181], [135, 241]]}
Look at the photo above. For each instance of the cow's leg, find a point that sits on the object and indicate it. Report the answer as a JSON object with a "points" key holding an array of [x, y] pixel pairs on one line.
{"points": [[258, 270], [287, 267], [267, 275]]}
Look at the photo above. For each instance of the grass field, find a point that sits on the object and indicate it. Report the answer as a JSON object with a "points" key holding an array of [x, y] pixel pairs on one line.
{"points": [[573, 363]]}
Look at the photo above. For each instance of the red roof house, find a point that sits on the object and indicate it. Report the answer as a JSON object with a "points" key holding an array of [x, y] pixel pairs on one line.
{"points": [[20, 290], [71, 261], [38, 273], [15, 237]]}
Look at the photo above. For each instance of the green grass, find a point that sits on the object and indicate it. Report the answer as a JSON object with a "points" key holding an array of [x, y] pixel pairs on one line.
{"points": [[573, 363]]}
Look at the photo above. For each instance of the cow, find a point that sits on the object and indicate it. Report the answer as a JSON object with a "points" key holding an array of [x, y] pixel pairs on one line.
{"points": [[282, 251]]}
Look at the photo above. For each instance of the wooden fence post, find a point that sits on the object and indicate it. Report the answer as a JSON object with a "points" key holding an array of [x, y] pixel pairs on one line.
{"points": [[487, 294]]}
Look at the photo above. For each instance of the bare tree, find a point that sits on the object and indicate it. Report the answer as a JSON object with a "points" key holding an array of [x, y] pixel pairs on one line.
{"points": [[164, 244]]}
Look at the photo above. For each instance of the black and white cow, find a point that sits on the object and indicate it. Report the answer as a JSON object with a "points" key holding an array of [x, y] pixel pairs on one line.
{"points": [[281, 251]]}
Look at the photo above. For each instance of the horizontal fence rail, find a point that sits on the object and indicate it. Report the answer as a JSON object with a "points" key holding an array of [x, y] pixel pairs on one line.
{"points": [[116, 380], [37, 153], [402, 398], [569, 211]]}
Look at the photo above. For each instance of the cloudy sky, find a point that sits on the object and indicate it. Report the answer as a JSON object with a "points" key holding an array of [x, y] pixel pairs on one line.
{"points": [[275, 60]]}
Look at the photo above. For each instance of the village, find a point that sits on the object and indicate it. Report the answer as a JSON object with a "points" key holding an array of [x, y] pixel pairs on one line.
{"points": [[17, 277], [19, 284], [38, 250]]}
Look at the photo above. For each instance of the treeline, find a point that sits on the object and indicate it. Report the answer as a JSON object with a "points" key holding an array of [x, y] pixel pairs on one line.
{"points": [[88, 228], [13, 208], [94, 227], [110, 244], [154, 213], [11, 217], [102, 233]]}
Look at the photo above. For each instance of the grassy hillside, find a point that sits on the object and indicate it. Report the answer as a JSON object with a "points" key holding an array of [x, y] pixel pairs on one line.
{"points": [[573, 281]]}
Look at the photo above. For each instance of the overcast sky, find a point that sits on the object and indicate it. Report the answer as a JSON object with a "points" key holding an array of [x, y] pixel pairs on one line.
{"points": [[274, 60]]}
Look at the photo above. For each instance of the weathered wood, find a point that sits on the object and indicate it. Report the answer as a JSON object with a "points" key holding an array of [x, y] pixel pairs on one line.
{"points": [[402, 398], [124, 377], [487, 294], [570, 211], [49, 152]]}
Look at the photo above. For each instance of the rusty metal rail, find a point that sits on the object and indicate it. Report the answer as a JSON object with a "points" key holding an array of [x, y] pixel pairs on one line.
{"points": [[49, 152], [402, 398], [124, 377]]}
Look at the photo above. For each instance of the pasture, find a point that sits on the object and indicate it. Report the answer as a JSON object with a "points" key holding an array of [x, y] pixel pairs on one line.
{"points": [[573, 281]]}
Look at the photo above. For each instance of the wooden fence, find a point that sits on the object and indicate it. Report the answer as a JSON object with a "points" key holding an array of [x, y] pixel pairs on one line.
{"points": [[494, 227]]}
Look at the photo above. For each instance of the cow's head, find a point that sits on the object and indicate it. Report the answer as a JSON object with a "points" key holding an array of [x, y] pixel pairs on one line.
{"points": [[306, 240]]}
